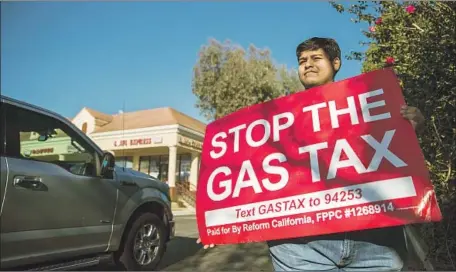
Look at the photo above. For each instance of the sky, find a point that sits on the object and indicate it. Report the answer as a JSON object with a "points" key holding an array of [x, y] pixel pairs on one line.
{"points": [[110, 56]]}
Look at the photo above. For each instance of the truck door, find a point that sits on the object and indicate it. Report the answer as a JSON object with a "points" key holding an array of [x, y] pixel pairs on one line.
{"points": [[3, 167], [56, 205], [3, 179]]}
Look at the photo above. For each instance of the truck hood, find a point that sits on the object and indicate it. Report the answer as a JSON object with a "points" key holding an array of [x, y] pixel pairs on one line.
{"points": [[141, 179]]}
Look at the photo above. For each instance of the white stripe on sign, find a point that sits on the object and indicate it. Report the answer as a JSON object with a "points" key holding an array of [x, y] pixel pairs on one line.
{"points": [[329, 199]]}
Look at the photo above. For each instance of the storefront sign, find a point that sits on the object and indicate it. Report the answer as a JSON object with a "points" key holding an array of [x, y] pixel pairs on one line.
{"points": [[157, 140], [190, 142], [133, 142], [42, 151], [335, 158]]}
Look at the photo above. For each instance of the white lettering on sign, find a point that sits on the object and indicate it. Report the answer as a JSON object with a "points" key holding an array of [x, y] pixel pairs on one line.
{"points": [[221, 147], [313, 151], [378, 190], [252, 180], [276, 119], [276, 128], [226, 184], [366, 106], [381, 151], [236, 130], [335, 113], [243, 134], [275, 170], [351, 110], [248, 178], [315, 117], [351, 161], [267, 133]]}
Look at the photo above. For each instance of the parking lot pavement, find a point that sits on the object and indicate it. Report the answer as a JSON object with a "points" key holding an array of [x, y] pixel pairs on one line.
{"points": [[244, 257], [184, 254]]}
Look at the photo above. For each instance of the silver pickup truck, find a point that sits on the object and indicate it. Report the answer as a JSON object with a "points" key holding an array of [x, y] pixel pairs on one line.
{"points": [[73, 207]]}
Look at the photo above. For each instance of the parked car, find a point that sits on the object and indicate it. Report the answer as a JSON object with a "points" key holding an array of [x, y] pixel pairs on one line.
{"points": [[64, 203]]}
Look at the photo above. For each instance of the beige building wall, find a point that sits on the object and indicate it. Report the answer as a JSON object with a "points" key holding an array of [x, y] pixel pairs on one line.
{"points": [[82, 118], [153, 132]]}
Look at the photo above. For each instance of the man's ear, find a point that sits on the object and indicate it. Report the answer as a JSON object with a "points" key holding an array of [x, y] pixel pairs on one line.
{"points": [[336, 64]]}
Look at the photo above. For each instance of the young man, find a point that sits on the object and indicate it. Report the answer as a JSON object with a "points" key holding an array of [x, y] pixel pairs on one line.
{"points": [[369, 250]]}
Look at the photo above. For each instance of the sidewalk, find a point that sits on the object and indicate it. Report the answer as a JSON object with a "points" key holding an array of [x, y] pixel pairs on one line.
{"points": [[181, 211]]}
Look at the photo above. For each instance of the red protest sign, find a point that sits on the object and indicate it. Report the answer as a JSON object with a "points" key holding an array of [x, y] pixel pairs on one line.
{"points": [[335, 158]]}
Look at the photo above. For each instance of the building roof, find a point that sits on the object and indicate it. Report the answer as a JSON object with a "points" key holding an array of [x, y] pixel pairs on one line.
{"points": [[99, 115], [146, 118]]}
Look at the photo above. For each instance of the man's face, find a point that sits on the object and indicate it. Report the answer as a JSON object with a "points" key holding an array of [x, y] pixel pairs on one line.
{"points": [[316, 69]]}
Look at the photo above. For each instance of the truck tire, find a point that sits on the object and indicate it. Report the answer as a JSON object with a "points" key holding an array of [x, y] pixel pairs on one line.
{"points": [[145, 243]]}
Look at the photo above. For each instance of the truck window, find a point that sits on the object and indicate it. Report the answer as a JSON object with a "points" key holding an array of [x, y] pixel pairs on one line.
{"points": [[34, 136]]}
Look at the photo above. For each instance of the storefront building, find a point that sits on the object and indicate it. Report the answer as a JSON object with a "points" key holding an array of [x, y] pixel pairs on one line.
{"points": [[162, 142]]}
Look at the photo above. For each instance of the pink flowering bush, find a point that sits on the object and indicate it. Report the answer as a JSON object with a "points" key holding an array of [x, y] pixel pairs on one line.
{"points": [[379, 21], [418, 40], [410, 9], [389, 61]]}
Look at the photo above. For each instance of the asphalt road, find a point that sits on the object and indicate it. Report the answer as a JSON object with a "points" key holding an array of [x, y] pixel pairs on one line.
{"points": [[183, 254]]}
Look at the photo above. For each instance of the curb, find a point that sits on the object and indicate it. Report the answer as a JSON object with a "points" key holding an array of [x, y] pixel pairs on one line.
{"points": [[183, 212]]}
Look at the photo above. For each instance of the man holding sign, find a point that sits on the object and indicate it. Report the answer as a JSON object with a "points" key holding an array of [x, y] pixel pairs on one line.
{"points": [[378, 249], [339, 192]]}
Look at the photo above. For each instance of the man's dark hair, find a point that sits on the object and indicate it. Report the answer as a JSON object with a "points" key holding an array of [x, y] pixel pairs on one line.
{"points": [[329, 46]]}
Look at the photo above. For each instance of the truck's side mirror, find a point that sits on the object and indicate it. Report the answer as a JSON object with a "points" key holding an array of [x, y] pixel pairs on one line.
{"points": [[107, 165]]}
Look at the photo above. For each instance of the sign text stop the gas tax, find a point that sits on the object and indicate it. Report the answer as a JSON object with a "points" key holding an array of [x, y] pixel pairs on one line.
{"points": [[298, 159]]}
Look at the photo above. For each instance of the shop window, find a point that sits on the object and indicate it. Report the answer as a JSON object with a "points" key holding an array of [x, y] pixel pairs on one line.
{"points": [[164, 162], [154, 166], [144, 164], [157, 166], [125, 161], [185, 164]]}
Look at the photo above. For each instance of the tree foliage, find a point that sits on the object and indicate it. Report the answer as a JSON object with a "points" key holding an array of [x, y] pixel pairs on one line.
{"points": [[227, 78], [419, 40]]}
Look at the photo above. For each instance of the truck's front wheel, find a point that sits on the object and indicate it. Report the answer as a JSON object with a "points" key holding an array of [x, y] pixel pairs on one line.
{"points": [[145, 243]]}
